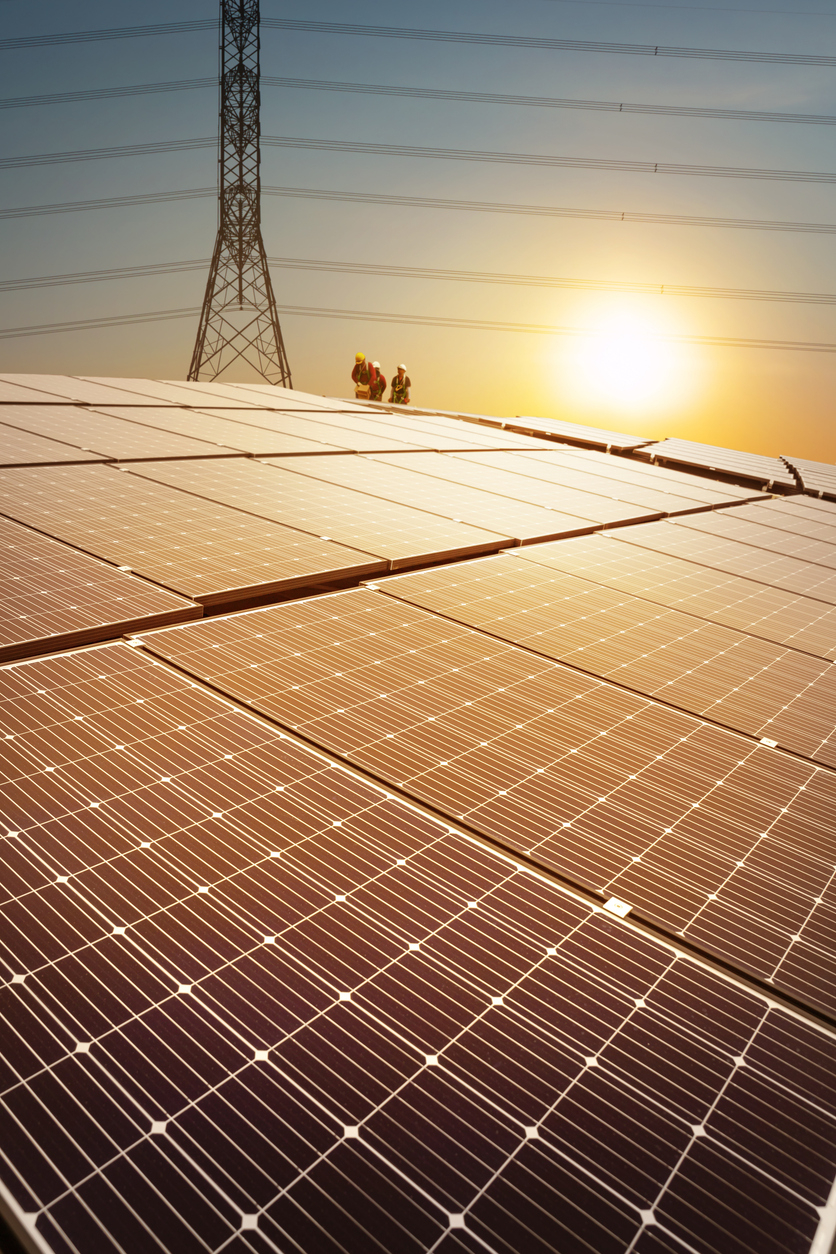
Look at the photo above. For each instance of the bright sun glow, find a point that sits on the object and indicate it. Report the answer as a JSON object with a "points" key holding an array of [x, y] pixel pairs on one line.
{"points": [[623, 363]]}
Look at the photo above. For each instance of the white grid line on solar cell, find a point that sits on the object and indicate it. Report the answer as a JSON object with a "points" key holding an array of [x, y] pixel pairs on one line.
{"points": [[556, 1025], [453, 434], [461, 503], [53, 597], [289, 397], [105, 434], [628, 471], [219, 429], [719, 553], [809, 506], [727, 525], [742, 682], [166, 392], [397, 533], [175, 539], [15, 393], [503, 480], [69, 388], [26, 448], [731, 600], [729, 461], [601, 785], [615, 480], [576, 431]]}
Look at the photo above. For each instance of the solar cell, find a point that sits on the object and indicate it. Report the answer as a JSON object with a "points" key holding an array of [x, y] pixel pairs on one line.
{"points": [[170, 392], [53, 597], [397, 483], [13, 392], [402, 536], [204, 551], [785, 617], [104, 434], [502, 479], [789, 573], [745, 683], [25, 448], [763, 536], [257, 1004], [264, 428], [575, 432], [628, 473], [755, 466], [789, 514], [706, 833], [458, 434]]}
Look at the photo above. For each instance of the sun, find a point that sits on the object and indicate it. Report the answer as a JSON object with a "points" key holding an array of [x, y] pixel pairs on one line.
{"points": [[623, 362]]}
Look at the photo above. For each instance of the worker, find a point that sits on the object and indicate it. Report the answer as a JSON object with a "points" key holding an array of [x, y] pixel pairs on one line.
{"points": [[400, 387], [379, 385], [363, 376]]}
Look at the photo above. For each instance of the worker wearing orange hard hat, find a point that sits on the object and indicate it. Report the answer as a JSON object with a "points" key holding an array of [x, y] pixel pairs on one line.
{"points": [[400, 387], [364, 377], [379, 385]]}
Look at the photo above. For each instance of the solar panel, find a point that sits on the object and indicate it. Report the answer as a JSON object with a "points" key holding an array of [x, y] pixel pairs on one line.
{"points": [[707, 833], [293, 1012], [270, 431], [748, 684], [53, 597], [254, 433], [816, 477], [171, 392], [789, 573], [758, 609], [400, 535], [755, 466], [204, 551], [24, 448], [789, 514], [763, 536], [12, 392], [103, 434], [397, 483], [485, 472], [457, 434], [575, 432], [73, 390], [627, 474]]}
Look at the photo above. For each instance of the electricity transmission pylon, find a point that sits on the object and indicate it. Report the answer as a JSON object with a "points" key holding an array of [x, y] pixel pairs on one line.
{"points": [[239, 321]]}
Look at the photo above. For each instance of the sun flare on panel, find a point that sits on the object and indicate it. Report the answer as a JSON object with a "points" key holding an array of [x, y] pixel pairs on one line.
{"points": [[625, 363]]}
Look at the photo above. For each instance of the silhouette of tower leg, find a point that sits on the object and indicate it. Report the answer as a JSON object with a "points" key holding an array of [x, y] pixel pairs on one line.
{"points": [[239, 321]]}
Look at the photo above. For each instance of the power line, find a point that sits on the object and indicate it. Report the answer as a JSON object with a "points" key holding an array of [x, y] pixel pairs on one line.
{"points": [[548, 102], [367, 31], [427, 272], [542, 159], [109, 202], [467, 324], [429, 202], [543, 42], [106, 93], [96, 154], [428, 93]]}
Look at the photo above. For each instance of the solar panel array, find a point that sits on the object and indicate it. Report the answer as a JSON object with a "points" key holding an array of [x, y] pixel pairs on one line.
{"points": [[490, 906]]}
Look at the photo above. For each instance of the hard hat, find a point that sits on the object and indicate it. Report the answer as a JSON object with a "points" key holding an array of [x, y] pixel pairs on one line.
{"points": [[376, 365], [359, 356], [402, 366]]}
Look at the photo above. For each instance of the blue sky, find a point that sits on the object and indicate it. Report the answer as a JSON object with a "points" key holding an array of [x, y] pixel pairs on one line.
{"points": [[772, 401]]}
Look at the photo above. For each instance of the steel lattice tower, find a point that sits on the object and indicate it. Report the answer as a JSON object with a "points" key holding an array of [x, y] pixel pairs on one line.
{"points": [[239, 320]]}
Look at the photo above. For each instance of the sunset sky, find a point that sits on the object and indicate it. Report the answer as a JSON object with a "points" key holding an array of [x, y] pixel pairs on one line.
{"points": [[611, 368]]}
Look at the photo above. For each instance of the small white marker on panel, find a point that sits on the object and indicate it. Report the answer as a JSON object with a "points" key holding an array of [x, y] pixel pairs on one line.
{"points": [[617, 907]]}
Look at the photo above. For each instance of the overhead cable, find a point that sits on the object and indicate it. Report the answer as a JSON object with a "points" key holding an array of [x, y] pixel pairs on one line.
{"points": [[369, 31], [429, 202], [465, 324], [426, 93], [545, 159], [427, 272], [106, 93], [96, 154], [546, 102]]}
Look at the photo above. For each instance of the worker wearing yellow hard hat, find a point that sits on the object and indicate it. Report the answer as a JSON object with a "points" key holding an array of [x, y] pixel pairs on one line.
{"points": [[364, 377]]}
